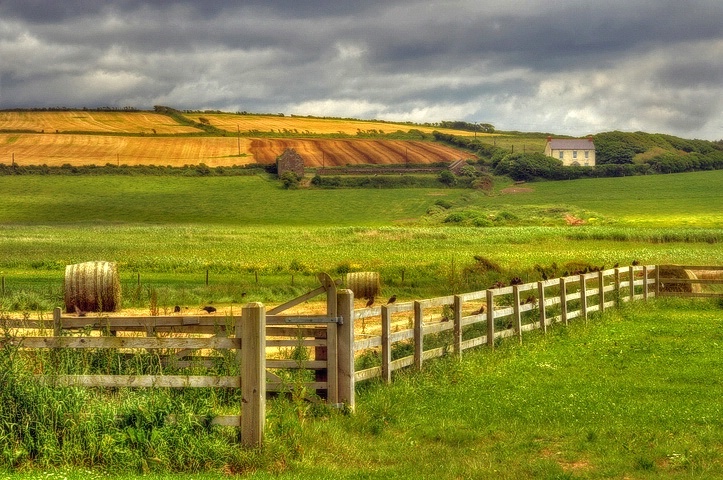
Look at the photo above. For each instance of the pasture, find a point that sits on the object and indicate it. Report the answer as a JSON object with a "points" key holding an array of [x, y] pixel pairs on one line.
{"points": [[253, 236], [628, 394], [624, 395]]}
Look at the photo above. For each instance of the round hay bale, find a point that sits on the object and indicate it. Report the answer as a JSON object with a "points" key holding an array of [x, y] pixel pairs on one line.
{"points": [[363, 284], [673, 271], [92, 287]]}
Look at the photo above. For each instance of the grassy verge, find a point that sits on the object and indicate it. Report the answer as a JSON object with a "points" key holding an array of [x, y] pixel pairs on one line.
{"points": [[631, 394]]}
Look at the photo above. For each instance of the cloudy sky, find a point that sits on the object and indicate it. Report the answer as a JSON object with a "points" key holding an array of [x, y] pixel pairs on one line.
{"points": [[564, 66]]}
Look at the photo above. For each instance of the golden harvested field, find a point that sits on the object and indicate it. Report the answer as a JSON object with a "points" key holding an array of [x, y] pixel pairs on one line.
{"points": [[92, 121], [267, 123], [55, 150]]}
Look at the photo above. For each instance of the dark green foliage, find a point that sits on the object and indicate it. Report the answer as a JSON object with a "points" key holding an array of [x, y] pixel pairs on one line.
{"points": [[616, 147], [290, 180], [374, 181], [528, 166], [447, 178]]}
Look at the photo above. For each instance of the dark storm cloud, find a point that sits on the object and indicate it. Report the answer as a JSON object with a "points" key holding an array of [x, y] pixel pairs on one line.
{"points": [[569, 67]]}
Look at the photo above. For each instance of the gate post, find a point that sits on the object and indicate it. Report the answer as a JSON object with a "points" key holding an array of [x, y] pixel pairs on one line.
{"points": [[253, 373], [345, 348]]}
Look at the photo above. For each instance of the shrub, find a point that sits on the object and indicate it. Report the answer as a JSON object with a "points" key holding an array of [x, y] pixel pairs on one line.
{"points": [[447, 178], [290, 180]]}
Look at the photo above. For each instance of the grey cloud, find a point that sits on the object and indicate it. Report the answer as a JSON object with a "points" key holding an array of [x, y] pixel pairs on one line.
{"points": [[568, 67]]}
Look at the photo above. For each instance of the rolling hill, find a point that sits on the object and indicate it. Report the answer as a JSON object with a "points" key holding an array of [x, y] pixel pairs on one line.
{"points": [[85, 137]]}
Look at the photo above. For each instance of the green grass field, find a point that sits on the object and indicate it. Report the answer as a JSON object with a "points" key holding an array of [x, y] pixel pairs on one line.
{"points": [[171, 230], [631, 394]]}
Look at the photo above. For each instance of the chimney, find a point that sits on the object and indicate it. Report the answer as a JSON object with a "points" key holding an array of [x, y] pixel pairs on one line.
{"points": [[549, 139]]}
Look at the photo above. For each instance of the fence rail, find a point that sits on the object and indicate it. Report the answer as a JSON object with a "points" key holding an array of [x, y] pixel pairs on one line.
{"points": [[408, 335]]}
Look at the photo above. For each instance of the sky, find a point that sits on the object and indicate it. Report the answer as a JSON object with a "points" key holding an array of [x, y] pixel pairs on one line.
{"points": [[559, 66]]}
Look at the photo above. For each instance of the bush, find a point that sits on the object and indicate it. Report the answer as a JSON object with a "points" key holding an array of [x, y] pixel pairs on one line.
{"points": [[447, 178], [290, 180]]}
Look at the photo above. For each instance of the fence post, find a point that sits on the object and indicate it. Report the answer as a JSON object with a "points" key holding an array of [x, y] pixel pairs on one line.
{"points": [[601, 290], [253, 373], [645, 283], [490, 319], [618, 297], [328, 352], [457, 306], [345, 348], [563, 300], [541, 306], [386, 346], [657, 280], [583, 297], [57, 322], [418, 334], [516, 309], [631, 282]]}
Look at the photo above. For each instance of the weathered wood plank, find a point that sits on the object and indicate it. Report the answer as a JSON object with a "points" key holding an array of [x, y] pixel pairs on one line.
{"points": [[166, 381], [365, 343], [401, 363], [438, 301], [294, 364], [368, 373], [126, 342]]}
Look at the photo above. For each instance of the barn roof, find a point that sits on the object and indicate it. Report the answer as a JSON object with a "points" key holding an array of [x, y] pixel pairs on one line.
{"points": [[572, 144]]}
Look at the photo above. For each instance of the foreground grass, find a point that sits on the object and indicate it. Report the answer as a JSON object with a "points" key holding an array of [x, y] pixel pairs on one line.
{"points": [[633, 394]]}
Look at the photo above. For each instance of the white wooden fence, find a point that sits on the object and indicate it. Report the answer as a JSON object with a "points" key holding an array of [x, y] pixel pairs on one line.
{"points": [[420, 330]]}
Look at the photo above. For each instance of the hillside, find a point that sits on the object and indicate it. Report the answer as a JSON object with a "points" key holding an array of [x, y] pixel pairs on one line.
{"points": [[170, 137], [56, 138]]}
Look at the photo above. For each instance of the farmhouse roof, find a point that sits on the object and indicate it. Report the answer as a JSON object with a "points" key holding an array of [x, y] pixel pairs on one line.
{"points": [[571, 144]]}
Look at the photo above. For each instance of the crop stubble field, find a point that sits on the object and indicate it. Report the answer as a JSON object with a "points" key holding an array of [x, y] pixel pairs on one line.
{"points": [[146, 138]]}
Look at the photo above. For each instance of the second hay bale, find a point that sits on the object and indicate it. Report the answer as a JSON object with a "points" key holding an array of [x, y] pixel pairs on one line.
{"points": [[363, 284], [677, 272]]}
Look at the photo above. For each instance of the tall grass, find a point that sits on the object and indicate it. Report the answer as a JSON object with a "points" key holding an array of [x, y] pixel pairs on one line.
{"points": [[629, 394]]}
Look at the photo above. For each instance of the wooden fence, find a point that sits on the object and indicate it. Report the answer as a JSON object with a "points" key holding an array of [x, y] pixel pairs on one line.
{"points": [[400, 335]]}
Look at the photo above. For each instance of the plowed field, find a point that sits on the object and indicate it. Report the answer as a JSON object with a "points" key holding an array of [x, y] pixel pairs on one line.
{"points": [[92, 121], [55, 150], [317, 153]]}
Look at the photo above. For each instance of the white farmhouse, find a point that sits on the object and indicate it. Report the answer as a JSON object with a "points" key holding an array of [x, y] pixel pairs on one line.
{"points": [[572, 152]]}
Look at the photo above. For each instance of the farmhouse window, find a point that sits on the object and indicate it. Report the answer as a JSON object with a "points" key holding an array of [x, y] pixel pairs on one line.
{"points": [[587, 154], [574, 154], [562, 154]]}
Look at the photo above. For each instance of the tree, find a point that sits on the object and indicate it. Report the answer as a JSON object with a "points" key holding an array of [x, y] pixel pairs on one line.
{"points": [[447, 178]]}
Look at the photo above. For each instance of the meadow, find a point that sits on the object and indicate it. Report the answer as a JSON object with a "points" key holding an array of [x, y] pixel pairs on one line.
{"points": [[252, 236], [628, 394]]}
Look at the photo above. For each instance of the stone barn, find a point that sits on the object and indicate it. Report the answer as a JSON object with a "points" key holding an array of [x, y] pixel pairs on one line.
{"points": [[290, 161]]}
